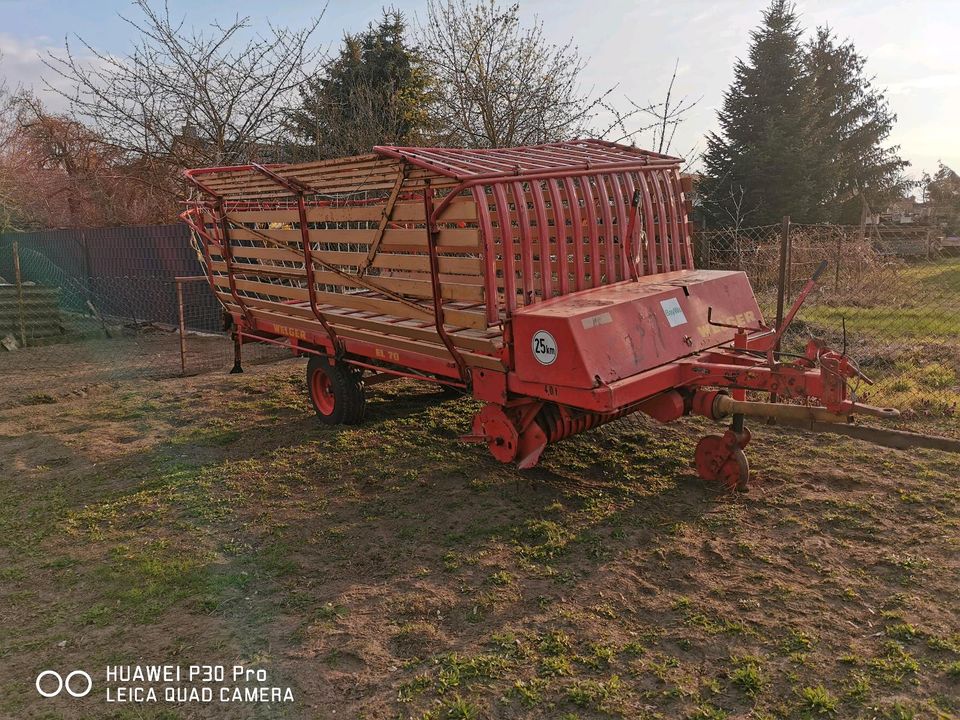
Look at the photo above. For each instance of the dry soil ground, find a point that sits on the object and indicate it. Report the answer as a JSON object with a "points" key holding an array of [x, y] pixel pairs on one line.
{"points": [[389, 571]]}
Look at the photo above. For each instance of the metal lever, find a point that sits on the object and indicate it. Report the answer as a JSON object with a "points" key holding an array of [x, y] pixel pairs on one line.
{"points": [[760, 326], [794, 309]]}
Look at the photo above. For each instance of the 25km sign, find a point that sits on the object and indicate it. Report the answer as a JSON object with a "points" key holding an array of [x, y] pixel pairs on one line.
{"points": [[544, 347]]}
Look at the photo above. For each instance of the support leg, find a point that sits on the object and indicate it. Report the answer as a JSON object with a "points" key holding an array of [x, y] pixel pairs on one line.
{"points": [[237, 367]]}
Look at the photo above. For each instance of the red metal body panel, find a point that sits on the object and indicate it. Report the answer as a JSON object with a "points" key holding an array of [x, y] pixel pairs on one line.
{"points": [[605, 334]]}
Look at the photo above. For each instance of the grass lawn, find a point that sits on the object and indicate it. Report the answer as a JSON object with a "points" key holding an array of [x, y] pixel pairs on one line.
{"points": [[905, 334], [389, 571]]}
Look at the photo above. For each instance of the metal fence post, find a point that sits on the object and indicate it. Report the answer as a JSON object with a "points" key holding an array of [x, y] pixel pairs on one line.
{"points": [[19, 281], [836, 277], [782, 280], [708, 260], [87, 269]]}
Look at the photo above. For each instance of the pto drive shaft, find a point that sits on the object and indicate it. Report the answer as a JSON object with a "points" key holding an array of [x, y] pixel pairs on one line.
{"points": [[819, 419], [724, 405]]}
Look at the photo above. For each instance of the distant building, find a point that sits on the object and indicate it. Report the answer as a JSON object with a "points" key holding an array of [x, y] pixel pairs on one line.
{"points": [[905, 211]]}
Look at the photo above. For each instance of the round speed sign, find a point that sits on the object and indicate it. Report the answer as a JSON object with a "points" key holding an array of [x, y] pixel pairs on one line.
{"points": [[544, 347]]}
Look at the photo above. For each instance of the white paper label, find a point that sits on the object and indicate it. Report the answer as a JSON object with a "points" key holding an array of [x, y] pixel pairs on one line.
{"points": [[596, 320], [544, 347], [673, 311]]}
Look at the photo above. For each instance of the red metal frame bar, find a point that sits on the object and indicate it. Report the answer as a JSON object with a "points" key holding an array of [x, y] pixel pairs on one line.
{"points": [[593, 231], [560, 231], [629, 241], [526, 244], [489, 254], [438, 314], [403, 373], [298, 189], [227, 253], [627, 270], [573, 201], [682, 216], [650, 235], [609, 251], [508, 254], [543, 237]]}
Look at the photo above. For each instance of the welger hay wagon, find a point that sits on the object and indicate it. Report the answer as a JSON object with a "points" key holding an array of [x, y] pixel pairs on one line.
{"points": [[555, 283]]}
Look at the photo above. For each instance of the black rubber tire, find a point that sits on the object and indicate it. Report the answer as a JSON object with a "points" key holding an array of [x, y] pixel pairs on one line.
{"points": [[346, 386]]}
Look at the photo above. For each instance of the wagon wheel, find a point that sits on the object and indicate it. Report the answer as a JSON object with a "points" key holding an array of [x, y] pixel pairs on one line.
{"points": [[336, 392], [718, 462]]}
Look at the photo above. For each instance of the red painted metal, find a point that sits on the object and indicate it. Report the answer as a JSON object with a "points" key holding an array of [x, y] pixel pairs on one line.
{"points": [[560, 236], [613, 332], [438, 316], [322, 391], [587, 272], [720, 458]]}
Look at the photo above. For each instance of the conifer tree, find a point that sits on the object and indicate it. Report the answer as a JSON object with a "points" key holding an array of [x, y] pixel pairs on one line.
{"points": [[802, 132], [375, 91], [758, 164], [853, 170]]}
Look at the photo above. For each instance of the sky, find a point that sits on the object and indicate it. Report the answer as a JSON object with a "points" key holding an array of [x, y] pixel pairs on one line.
{"points": [[633, 44]]}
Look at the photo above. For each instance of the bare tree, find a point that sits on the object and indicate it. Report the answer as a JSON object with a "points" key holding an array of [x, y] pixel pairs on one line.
{"points": [[660, 120], [8, 175], [498, 83], [189, 96], [56, 172]]}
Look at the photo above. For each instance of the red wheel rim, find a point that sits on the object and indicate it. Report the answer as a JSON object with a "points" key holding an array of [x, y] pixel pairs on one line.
{"points": [[322, 390]]}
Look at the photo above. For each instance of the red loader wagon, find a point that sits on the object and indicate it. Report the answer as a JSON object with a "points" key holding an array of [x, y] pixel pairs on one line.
{"points": [[555, 283]]}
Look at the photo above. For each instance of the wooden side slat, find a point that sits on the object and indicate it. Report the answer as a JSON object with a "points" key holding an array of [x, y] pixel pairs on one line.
{"points": [[465, 338], [468, 239], [389, 261], [405, 286], [477, 360], [361, 301], [351, 184], [380, 336], [458, 210], [329, 164], [361, 174]]}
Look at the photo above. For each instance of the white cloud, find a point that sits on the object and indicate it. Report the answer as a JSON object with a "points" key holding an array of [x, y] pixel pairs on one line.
{"points": [[22, 65]]}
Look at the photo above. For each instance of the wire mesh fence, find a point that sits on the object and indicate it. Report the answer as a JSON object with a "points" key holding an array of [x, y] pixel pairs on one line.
{"points": [[890, 295], [65, 321]]}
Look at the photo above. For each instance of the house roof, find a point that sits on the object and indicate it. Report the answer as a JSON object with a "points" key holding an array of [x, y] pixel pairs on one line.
{"points": [[491, 163]]}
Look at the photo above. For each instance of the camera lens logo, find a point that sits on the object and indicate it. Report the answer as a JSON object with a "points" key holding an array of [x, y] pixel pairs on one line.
{"points": [[73, 683]]}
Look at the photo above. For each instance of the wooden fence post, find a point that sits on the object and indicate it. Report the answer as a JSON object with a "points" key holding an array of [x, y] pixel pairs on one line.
{"points": [[182, 326]]}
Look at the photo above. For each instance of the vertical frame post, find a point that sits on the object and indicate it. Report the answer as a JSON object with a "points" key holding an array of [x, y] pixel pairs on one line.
{"points": [[435, 285]]}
